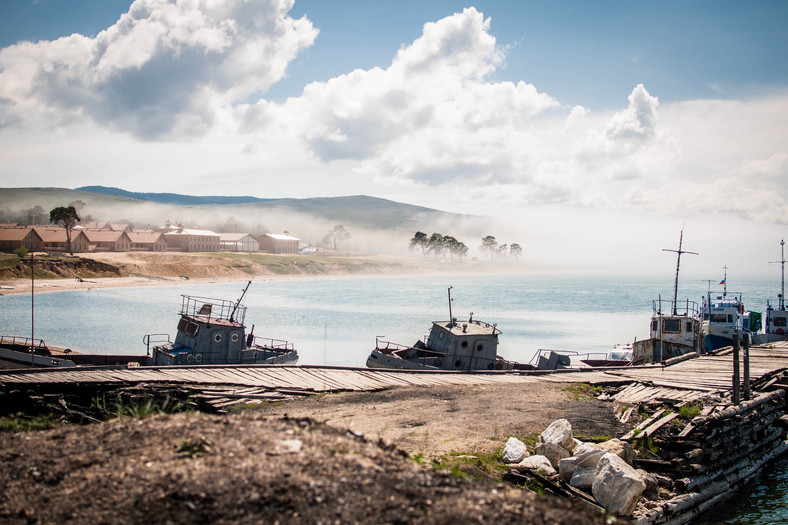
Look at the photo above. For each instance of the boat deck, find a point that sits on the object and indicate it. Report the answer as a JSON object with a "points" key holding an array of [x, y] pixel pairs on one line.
{"points": [[684, 380]]}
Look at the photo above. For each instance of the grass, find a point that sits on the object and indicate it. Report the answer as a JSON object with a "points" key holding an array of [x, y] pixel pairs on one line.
{"points": [[19, 422], [690, 411], [489, 466], [583, 391], [194, 447], [138, 407]]}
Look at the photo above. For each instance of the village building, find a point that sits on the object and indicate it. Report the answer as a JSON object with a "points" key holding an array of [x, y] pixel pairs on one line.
{"points": [[53, 239], [147, 241], [108, 240], [188, 240], [14, 237], [91, 225], [279, 243], [238, 242]]}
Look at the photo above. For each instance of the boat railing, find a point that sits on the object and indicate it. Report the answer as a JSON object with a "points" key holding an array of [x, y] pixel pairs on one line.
{"points": [[684, 308], [213, 309], [267, 342], [155, 340], [25, 342], [575, 356], [388, 347]]}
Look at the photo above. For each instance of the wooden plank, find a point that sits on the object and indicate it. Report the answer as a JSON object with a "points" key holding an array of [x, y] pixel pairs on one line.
{"points": [[653, 428]]}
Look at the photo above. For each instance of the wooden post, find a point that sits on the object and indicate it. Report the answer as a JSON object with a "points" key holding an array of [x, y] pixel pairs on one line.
{"points": [[736, 373], [746, 354]]}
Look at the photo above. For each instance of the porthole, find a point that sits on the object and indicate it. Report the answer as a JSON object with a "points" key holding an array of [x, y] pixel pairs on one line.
{"points": [[464, 344], [217, 338], [458, 363], [479, 346], [234, 337]]}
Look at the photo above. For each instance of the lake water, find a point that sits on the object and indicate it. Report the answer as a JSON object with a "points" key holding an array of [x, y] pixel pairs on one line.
{"points": [[336, 321]]}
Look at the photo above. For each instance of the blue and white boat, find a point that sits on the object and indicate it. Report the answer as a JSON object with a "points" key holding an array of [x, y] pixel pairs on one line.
{"points": [[776, 322], [725, 315]]}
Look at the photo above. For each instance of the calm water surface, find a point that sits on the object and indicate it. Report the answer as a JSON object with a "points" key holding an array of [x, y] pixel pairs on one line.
{"points": [[335, 322]]}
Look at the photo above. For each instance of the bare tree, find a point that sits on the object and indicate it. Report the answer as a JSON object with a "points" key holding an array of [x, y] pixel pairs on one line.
{"points": [[336, 236]]}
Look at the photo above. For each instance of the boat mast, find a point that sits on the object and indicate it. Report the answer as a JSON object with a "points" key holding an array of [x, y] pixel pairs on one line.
{"points": [[237, 304], [781, 297], [451, 319], [678, 264]]}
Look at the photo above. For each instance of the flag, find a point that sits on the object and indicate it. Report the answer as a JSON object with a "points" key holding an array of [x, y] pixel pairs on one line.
{"points": [[722, 282]]}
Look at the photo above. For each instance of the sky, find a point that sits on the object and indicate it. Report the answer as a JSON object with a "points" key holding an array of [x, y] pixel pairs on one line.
{"points": [[592, 132]]}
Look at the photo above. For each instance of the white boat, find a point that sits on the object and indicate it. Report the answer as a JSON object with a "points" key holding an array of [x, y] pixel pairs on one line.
{"points": [[23, 352], [212, 332], [723, 316]]}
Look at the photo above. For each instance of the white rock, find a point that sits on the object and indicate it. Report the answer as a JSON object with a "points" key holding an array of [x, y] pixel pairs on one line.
{"points": [[567, 466], [617, 486], [620, 448], [539, 463], [559, 433], [554, 453], [582, 448], [514, 451]]}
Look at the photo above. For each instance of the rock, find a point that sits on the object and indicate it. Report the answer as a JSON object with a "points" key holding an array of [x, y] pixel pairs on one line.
{"points": [[581, 448], [583, 478], [514, 451], [567, 466], [559, 433], [620, 448], [538, 463], [554, 453], [617, 486]]}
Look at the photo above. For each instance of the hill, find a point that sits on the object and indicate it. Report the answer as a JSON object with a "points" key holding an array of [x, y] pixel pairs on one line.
{"points": [[374, 223]]}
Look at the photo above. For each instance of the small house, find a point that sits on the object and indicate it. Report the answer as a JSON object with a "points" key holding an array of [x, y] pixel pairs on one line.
{"points": [[279, 243]]}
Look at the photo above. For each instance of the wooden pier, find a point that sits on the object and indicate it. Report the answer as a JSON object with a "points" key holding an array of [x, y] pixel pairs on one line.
{"points": [[708, 374]]}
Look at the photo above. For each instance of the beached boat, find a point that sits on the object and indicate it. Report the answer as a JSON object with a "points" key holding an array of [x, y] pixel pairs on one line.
{"points": [[212, 332], [471, 345], [24, 352], [675, 327], [620, 355]]}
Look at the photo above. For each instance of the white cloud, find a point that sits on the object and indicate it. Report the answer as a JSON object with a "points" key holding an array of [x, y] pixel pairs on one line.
{"points": [[165, 69]]}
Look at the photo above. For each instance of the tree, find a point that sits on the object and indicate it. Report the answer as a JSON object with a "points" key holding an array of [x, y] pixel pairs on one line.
{"points": [[336, 236], [450, 243], [515, 250], [460, 250], [67, 217], [488, 245], [436, 244], [502, 249], [421, 240], [36, 215]]}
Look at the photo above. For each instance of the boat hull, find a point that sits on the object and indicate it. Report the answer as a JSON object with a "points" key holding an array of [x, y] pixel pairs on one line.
{"points": [[10, 358]]}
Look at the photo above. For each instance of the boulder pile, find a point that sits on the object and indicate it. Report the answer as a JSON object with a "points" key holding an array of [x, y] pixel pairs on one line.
{"points": [[604, 470]]}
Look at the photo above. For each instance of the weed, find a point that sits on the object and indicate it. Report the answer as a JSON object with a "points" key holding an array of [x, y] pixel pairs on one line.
{"points": [[194, 447], [690, 411], [19, 422], [645, 443], [146, 407], [418, 458], [475, 465], [583, 391]]}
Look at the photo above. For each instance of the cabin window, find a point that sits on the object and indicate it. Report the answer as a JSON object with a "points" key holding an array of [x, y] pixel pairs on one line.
{"points": [[671, 325], [217, 337], [234, 338], [719, 318], [654, 325], [191, 329], [689, 327], [182, 324], [464, 344], [480, 346], [780, 321]]}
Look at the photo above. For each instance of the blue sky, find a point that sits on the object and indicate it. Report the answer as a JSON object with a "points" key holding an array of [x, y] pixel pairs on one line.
{"points": [[581, 126]]}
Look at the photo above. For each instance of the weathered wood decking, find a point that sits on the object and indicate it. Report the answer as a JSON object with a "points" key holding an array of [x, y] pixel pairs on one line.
{"points": [[706, 374]]}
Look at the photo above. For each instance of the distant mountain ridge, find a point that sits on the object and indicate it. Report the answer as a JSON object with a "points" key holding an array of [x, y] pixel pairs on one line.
{"points": [[171, 198]]}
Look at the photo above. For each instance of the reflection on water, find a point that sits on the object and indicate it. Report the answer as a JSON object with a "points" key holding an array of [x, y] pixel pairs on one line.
{"points": [[763, 500]]}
